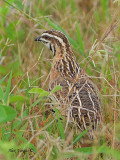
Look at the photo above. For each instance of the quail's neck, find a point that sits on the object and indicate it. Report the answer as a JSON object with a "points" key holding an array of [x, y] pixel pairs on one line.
{"points": [[65, 63]]}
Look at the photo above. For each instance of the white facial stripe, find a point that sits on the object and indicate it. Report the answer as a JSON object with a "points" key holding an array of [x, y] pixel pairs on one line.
{"points": [[48, 45], [53, 36], [44, 40], [53, 50]]}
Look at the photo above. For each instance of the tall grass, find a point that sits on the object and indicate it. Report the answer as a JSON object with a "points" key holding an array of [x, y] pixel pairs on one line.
{"points": [[28, 128]]}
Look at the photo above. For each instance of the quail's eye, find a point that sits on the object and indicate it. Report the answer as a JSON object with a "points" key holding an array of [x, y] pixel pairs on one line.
{"points": [[46, 37]]}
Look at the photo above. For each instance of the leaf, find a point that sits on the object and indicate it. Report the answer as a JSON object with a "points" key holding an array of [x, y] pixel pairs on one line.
{"points": [[44, 93], [36, 90], [39, 91], [8, 89], [17, 98], [56, 88], [7, 113], [1, 93]]}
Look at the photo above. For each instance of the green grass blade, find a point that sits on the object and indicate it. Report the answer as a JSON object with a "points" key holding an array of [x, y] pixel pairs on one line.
{"points": [[104, 4], [64, 4], [91, 150], [60, 125], [112, 152], [3, 79], [8, 89], [56, 26], [27, 15], [80, 136], [73, 5], [1, 93], [100, 149], [80, 38], [52, 24]]}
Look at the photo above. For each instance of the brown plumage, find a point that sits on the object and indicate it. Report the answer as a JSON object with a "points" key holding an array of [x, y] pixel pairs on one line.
{"points": [[79, 97]]}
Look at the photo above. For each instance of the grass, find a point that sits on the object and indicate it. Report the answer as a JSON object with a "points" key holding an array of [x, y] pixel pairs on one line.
{"points": [[28, 130]]}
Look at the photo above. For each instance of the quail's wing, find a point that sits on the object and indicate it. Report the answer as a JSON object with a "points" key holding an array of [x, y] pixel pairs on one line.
{"points": [[85, 104]]}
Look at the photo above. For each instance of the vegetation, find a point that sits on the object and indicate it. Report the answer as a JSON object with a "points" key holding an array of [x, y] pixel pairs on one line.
{"points": [[28, 129]]}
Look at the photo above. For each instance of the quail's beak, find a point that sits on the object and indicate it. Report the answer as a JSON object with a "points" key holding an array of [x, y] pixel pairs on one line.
{"points": [[37, 39]]}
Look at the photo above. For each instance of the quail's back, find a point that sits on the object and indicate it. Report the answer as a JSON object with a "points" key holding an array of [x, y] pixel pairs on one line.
{"points": [[79, 97]]}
